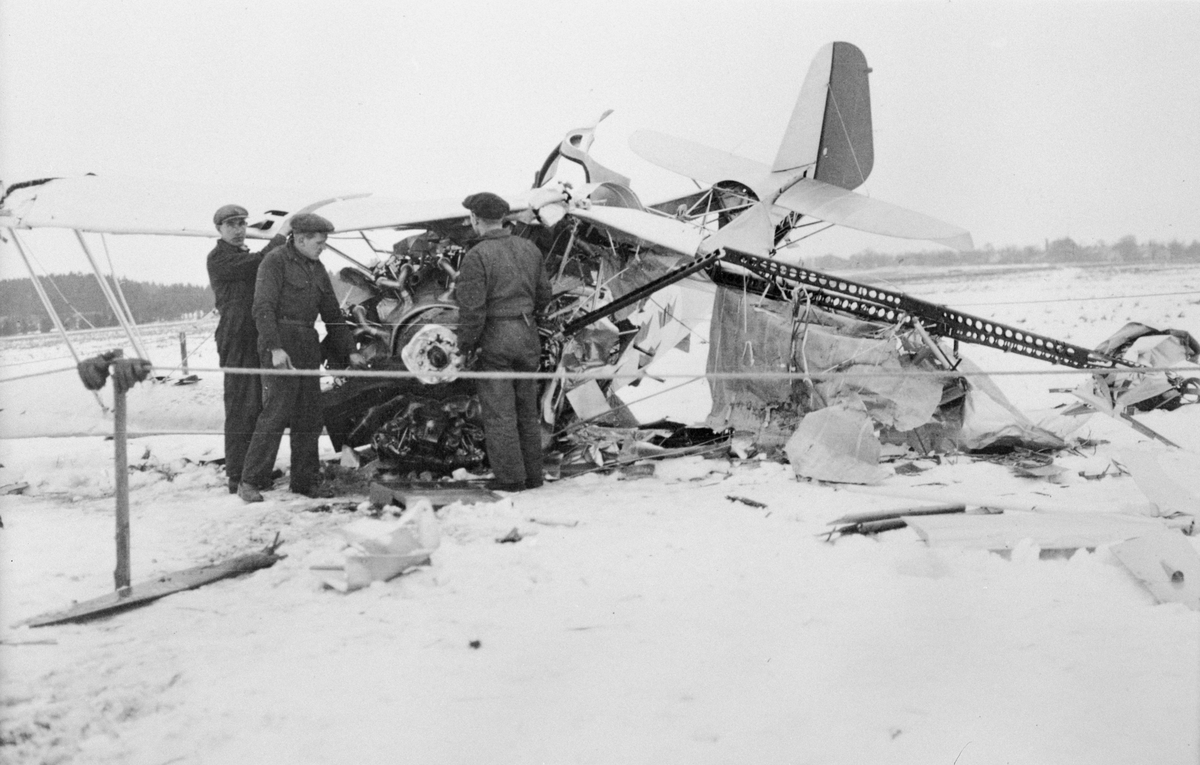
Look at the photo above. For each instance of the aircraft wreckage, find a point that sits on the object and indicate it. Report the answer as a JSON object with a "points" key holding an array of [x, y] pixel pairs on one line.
{"points": [[609, 258]]}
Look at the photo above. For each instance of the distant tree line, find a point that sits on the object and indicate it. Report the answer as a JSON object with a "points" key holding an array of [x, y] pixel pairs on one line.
{"points": [[1127, 249], [80, 303]]}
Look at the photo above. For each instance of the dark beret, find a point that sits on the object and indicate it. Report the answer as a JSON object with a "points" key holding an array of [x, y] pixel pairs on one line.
{"points": [[311, 223], [487, 205], [227, 212]]}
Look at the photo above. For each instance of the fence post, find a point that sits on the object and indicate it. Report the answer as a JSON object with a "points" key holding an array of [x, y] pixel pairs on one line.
{"points": [[183, 350], [121, 574]]}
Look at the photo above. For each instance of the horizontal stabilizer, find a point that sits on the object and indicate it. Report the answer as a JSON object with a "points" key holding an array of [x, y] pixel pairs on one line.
{"points": [[846, 208], [697, 161]]}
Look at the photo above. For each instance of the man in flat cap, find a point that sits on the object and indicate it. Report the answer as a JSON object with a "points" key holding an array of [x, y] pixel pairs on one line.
{"points": [[502, 286], [232, 269], [292, 289]]}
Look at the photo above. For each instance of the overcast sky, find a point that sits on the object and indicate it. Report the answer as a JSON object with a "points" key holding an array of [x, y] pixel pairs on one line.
{"points": [[1018, 122]]}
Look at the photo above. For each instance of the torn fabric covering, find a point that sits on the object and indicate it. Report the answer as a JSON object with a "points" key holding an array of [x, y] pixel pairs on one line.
{"points": [[1112, 393], [1127, 336], [752, 336], [748, 335], [990, 420]]}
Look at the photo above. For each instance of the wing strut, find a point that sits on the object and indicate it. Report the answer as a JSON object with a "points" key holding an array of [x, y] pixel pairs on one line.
{"points": [[124, 318], [41, 291], [674, 275]]}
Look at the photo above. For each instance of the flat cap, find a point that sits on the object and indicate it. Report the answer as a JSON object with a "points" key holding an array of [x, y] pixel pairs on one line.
{"points": [[487, 205], [227, 212], [311, 223]]}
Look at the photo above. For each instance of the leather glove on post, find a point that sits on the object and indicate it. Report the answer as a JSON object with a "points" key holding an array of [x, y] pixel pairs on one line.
{"points": [[129, 372], [94, 371]]}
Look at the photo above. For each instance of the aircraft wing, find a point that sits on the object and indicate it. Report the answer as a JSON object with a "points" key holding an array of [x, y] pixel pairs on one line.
{"points": [[675, 235], [119, 205], [834, 204], [116, 205]]}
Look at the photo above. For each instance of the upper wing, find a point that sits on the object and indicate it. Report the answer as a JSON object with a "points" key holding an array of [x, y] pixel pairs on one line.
{"points": [[115, 205]]}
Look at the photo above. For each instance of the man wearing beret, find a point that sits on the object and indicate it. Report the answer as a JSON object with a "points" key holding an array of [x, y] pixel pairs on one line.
{"points": [[292, 289], [502, 286], [232, 269]]}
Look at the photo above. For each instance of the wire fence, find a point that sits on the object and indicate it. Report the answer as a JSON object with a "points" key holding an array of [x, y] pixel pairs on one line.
{"points": [[872, 373]]}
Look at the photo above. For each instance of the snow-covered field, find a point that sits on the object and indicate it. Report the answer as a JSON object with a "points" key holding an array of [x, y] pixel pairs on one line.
{"points": [[646, 620]]}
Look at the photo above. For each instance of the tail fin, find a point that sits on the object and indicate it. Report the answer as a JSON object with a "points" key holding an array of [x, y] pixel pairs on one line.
{"points": [[830, 126]]}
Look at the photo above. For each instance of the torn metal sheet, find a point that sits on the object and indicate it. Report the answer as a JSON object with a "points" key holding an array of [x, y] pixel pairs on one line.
{"points": [[1167, 496], [1047, 530], [1166, 564], [836, 444], [380, 550]]}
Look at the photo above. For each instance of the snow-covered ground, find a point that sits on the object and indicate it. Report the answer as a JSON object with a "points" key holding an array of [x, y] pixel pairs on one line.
{"points": [[645, 620]]}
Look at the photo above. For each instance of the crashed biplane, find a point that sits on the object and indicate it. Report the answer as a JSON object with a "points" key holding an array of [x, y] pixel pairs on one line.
{"points": [[611, 259]]}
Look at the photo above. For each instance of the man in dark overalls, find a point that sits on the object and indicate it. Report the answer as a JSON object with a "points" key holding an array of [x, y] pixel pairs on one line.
{"points": [[502, 286], [232, 270], [293, 288]]}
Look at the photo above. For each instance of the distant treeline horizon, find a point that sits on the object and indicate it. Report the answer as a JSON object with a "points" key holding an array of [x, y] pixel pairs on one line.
{"points": [[1063, 251], [81, 305]]}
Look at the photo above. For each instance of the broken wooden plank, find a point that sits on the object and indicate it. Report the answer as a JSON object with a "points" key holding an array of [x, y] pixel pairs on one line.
{"points": [[1046, 530], [1166, 564], [439, 493], [141, 593]]}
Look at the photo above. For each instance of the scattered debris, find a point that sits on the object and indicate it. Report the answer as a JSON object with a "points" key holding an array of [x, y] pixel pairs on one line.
{"points": [[475, 644], [14, 488], [1094, 476], [438, 493], [378, 550], [1052, 473], [1166, 564], [544, 522], [876, 521], [1048, 530], [744, 501], [1167, 496], [334, 507], [635, 471], [511, 537]]}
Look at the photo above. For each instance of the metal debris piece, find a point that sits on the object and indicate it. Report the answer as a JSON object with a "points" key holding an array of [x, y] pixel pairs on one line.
{"points": [[745, 501], [511, 537]]}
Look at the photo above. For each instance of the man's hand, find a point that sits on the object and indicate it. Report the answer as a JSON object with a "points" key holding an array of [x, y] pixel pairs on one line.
{"points": [[280, 359], [470, 358], [357, 360]]}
